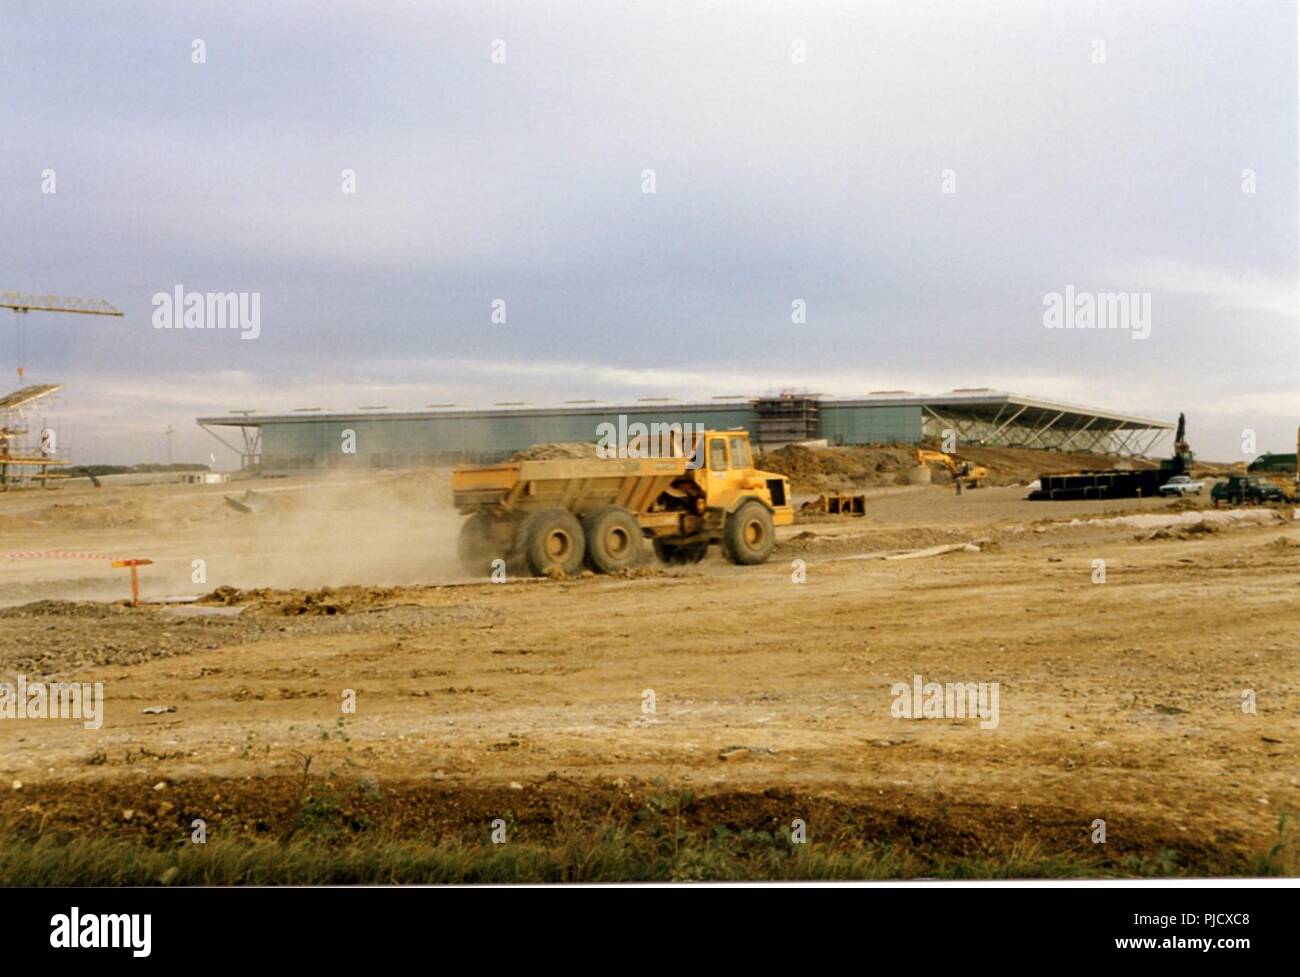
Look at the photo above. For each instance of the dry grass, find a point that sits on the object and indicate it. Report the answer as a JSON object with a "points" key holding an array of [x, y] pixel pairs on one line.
{"points": [[651, 850]]}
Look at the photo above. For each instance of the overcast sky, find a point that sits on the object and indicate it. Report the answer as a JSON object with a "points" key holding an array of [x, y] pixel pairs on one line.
{"points": [[1099, 145]]}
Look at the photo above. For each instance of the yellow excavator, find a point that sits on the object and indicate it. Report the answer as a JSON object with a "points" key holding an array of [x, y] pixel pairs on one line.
{"points": [[964, 473]]}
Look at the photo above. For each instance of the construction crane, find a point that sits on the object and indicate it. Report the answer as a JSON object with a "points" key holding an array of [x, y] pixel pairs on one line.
{"points": [[23, 303]]}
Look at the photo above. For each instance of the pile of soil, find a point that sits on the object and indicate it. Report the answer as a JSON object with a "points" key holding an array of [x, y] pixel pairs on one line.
{"points": [[555, 451], [840, 468], [846, 468], [1017, 466], [65, 608], [870, 540], [292, 603]]}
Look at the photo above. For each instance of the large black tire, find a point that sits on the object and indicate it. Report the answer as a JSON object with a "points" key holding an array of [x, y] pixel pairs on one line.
{"points": [[552, 539], [477, 547], [749, 535], [613, 539], [677, 554]]}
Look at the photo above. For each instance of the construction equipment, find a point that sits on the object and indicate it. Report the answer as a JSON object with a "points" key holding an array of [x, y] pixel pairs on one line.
{"points": [[837, 504], [22, 304], [552, 515], [1119, 483], [965, 474]]}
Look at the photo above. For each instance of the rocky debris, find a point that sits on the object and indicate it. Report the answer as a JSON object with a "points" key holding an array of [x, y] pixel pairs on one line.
{"points": [[59, 637], [67, 608], [633, 573], [326, 601]]}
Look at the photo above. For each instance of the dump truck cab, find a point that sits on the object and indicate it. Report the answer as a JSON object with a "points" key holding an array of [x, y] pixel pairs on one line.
{"points": [[729, 475]]}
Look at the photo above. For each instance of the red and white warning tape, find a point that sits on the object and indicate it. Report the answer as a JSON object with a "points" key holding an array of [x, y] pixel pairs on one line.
{"points": [[53, 555]]}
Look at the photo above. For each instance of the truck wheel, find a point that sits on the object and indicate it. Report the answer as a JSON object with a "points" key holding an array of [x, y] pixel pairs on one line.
{"points": [[680, 553], [613, 539], [476, 546], [552, 539], [749, 535]]}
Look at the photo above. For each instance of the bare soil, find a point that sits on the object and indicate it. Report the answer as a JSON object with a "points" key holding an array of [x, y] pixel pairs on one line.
{"points": [[1119, 700]]}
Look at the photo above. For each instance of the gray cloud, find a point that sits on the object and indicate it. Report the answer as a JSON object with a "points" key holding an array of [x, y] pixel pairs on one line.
{"points": [[775, 181]]}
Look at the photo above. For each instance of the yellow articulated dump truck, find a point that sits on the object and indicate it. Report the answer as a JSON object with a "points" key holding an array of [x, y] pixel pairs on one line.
{"points": [[555, 515]]}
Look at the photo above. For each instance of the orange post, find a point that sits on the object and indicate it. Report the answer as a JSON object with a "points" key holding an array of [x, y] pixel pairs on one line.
{"points": [[135, 578]]}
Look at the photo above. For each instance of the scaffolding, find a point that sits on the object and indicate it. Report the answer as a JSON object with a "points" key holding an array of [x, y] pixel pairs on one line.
{"points": [[28, 457], [786, 418]]}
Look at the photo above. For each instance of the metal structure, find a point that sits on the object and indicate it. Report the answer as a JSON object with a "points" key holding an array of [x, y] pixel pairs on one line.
{"points": [[24, 459], [980, 416], [23, 302], [250, 455], [20, 460], [308, 440]]}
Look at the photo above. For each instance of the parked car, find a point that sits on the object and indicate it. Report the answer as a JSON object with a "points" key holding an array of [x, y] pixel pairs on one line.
{"points": [[1245, 488], [1181, 485]]}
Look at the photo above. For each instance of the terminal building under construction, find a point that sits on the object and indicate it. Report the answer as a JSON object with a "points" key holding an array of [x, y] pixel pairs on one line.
{"points": [[375, 437]]}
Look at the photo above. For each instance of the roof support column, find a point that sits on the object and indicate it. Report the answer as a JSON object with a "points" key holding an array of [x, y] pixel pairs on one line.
{"points": [[1069, 438], [1008, 421], [1146, 448], [1044, 429]]}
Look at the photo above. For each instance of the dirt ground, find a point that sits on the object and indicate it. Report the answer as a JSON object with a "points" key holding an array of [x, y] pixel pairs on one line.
{"points": [[1119, 699]]}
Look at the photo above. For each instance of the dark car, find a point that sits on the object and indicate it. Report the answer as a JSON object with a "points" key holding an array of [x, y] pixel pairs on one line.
{"points": [[1245, 488]]}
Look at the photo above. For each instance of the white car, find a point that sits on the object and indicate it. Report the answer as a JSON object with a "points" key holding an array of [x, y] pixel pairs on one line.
{"points": [[1181, 485]]}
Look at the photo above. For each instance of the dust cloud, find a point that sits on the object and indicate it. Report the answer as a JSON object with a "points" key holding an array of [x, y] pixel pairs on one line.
{"points": [[378, 528]]}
